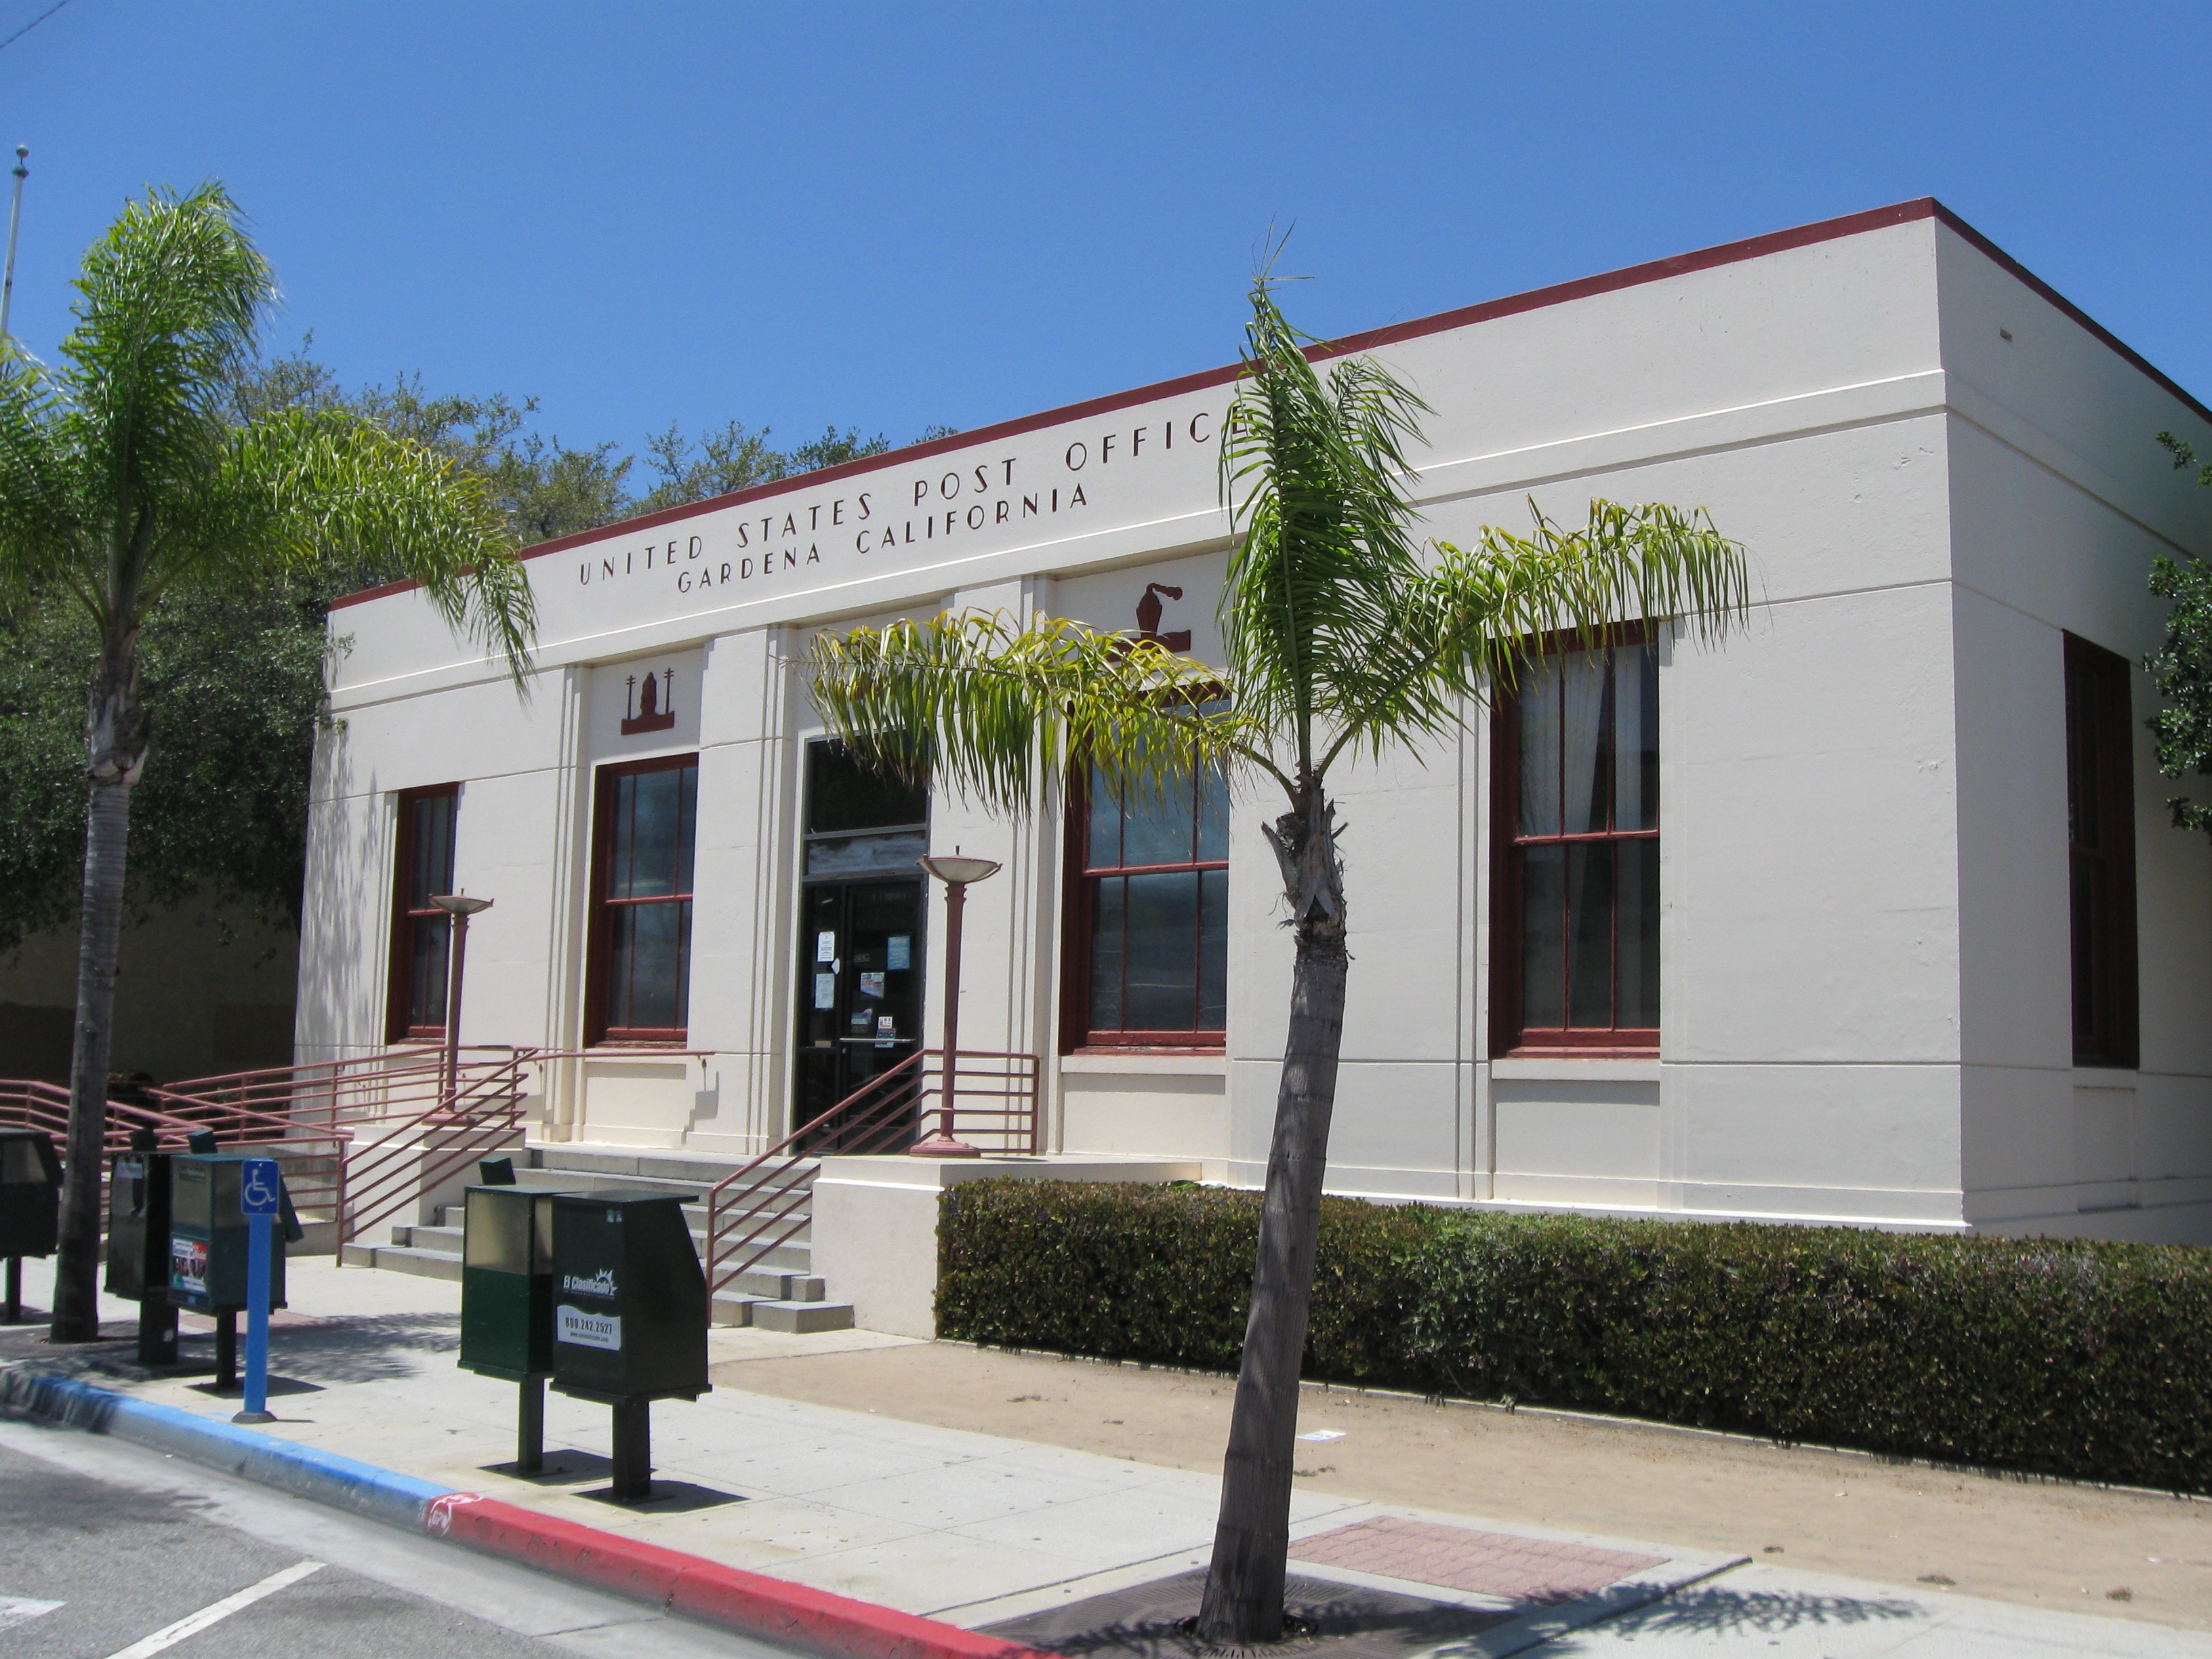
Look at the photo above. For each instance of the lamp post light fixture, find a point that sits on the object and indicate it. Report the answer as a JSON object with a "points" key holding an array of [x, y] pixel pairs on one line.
{"points": [[956, 872], [460, 907]]}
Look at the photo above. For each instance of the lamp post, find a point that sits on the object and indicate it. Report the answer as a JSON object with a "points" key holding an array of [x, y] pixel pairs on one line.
{"points": [[14, 223], [956, 872], [460, 907]]}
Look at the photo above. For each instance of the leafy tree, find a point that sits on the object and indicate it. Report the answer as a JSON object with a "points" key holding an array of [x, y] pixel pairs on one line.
{"points": [[233, 690], [126, 480], [233, 687], [1342, 642], [719, 463], [723, 462], [834, 449], [2181, 669]]}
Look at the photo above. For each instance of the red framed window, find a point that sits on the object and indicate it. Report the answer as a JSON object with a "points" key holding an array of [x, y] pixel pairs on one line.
{"points": [[1575, 909], [415, 1009], [1147, 956], [2100, 853], [639, 989]]}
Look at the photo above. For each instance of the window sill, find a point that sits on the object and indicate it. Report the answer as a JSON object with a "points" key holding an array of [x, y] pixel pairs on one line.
{"points": [[1145, 1062], [1576, 1068]]}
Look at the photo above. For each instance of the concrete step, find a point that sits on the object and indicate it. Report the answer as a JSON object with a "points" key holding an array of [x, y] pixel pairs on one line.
{"points": [[771, 1285], [788, 1258], [730, 1310], [581, 1158], [585, 1181], [694, 1215], [779, 1292], [397, 1258], [801, 1227], [793, 1256], [798, 1318]]}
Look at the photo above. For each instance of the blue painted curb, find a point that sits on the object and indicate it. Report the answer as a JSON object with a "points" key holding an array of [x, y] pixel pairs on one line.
{"points": [[324, 1476]]}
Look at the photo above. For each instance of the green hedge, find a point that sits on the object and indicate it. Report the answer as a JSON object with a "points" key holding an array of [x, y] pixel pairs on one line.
{"points": [[2085, 1359]]}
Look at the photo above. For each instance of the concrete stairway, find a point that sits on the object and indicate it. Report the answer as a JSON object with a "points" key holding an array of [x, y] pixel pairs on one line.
{"points": [[780, 1294]]}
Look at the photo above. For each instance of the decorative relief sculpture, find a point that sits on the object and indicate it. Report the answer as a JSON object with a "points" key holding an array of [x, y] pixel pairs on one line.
{"points": [[650, 711]]}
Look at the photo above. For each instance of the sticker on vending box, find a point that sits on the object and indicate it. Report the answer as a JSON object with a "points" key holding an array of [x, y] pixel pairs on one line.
{"points": [[188, 1263], [587, 1330]]}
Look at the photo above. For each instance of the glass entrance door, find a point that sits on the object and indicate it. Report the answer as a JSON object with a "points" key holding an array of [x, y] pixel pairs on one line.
{"points": [[860, 992], [859, 989]]}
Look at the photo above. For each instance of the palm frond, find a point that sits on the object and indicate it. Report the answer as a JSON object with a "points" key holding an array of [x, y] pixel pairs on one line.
{"points": [[169, 299], [39, 509], [304, 488], [1340, 638], [1476, 619], [992, 710], [1314, 471]]}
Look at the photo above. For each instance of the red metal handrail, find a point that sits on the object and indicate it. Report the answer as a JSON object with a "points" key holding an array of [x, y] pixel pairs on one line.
{"points": [[313, 1159], [370, 1119], [427, 1127], [364, 1088], [764, 1203]]}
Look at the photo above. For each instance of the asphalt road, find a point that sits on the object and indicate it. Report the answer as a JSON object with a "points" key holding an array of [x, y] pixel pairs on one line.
{"points": [[130, 1542]]}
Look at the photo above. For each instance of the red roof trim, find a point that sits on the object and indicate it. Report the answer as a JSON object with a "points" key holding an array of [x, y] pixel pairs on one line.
{"points": [[1656, 271], [1998, 256]]}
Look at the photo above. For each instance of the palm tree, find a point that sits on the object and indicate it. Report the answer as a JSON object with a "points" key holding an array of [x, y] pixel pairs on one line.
{"points": [[123, 481], [1343, 640]]}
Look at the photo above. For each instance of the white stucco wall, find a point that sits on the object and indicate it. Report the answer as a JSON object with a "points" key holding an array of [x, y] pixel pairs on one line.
{"points": [[1866, 1001]]}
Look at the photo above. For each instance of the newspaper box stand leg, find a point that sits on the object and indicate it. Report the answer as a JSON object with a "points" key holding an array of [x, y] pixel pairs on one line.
{"points": [[629, 1317], [30, 1206]]}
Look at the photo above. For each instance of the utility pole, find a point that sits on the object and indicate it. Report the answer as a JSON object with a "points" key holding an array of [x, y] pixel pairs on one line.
{"points": [[14, 220]]}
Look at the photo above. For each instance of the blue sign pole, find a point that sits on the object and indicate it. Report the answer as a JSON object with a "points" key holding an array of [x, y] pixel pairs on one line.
{"points": [[259, 1188]]}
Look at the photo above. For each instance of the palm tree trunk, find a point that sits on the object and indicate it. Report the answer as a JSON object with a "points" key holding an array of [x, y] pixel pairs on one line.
{"points": [[1243, 1600], [117, 745]]}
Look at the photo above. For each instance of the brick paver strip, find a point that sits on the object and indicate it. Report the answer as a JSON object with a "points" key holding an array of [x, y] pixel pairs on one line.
{"points": [[1461, 1559]]}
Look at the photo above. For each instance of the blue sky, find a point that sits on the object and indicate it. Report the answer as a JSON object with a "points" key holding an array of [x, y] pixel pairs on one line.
{"points": [[891, 215]]}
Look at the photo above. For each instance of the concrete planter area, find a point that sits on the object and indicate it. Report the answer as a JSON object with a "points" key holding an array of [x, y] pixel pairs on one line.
{"points": [[875, 1222]]}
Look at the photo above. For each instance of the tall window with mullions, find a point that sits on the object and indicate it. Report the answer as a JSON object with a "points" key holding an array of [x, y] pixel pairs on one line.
{"points": [[2101, 835], [1575, 916], [1148, 915], [421, 933], [640, 988]]}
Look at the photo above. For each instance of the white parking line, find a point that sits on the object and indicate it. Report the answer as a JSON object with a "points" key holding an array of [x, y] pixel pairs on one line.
{"points": [[22, 1609], [192, 1623]]}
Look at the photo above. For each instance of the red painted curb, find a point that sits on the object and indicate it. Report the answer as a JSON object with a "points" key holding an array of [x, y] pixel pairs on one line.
{"points": [[750, 1603]]}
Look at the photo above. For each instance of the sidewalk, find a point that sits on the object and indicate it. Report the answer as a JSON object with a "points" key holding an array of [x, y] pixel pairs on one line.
{"points": [[828, 1460], [2041, 1544]]}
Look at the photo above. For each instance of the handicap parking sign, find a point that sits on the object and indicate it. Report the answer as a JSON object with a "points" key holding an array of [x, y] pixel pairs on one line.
{"points": [[258, 1185]]}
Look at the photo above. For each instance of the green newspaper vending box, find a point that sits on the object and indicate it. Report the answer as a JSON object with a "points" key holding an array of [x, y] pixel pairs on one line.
{"points": [[507, 1300], [208, 1233], [506, 1283]]}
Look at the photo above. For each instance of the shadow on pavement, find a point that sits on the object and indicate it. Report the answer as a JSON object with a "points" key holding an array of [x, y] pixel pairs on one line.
{"points": [[277, 1385], [366, 1348], [1714, 1609], [1341, 1621], [668, 1498], [561, 1469]]}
